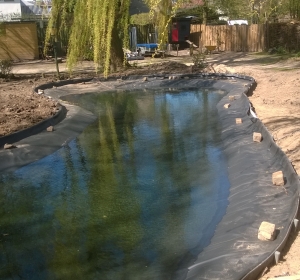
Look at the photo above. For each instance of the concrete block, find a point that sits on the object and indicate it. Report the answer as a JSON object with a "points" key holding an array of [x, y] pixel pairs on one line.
{"points": [[257, 137], [50, 128], [238, 121], [277, 178], [231, 97], [266, 231], [227, 105], [9, 146]]}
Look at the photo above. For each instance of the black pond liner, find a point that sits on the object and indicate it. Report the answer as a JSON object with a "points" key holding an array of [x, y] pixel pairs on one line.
{"points": [[234, 251]]}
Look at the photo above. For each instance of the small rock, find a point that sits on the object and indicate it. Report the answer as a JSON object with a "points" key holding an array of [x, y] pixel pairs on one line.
{"points": [[50, 128], [40, 91], [170, 77], [238, 121], [227, 105], [145, 79], [231, 97], [257, 137], [9, 146], [266, 231], [272, 51], [277, 178]]}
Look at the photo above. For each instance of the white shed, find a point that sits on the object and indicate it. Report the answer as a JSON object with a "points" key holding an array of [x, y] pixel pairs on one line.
{"points": [[14, 10]]}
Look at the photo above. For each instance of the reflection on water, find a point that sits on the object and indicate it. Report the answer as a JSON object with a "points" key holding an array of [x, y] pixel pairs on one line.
{"points": [[136, 196]]}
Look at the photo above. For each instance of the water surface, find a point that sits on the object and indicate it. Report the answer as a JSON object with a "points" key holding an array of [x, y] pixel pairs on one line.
{"points": [[136, 196]]}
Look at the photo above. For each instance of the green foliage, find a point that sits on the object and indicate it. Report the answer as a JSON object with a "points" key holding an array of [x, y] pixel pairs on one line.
{"points": [[197, 12], [162, 11], [254, 11], [5, 67], [281, 50], [199, 60], [141, 19], [92, 25], [293, 8]]}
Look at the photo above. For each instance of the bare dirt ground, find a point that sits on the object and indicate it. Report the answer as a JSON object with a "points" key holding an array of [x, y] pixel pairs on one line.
{"points": [[276, 100]]}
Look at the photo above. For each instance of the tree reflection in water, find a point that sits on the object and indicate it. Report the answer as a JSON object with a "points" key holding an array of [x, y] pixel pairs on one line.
{"points": [[136, 196]]}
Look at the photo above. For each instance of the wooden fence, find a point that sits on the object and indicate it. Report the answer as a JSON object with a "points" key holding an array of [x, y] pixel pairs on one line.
{"points": [[245, 38], [18, 41]]}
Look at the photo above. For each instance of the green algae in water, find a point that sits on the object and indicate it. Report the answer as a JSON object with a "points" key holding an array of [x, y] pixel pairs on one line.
{"points": [[136, 196]]}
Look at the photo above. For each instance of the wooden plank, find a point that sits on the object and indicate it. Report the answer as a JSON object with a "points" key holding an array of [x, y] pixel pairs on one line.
{"points": [[249, 41], [244, 38], [223, 37]]}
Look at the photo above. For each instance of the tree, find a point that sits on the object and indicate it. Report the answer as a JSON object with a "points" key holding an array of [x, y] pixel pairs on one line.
{"points": [[97, 26], [100, 27], [163, 11], [292, 7], [256, 11]]}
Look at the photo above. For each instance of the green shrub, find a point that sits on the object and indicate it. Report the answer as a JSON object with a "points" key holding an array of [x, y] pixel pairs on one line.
{"points": [[281, 50], [5, 67]]}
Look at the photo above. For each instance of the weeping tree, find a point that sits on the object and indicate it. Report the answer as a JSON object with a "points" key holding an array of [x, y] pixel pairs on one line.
{"points": [[162, 12], [100, 28]]}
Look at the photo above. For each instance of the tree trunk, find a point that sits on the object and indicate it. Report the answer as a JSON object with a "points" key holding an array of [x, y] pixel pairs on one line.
{"points": [[117, 54], [204, 12]]}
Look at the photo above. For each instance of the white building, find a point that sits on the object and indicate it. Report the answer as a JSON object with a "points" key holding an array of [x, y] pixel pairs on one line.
{"points": [[15, 10]]}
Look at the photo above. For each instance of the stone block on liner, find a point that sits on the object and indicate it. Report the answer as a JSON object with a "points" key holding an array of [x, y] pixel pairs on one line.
{"points": [[238, 121], [50, 128], [266, 231], [277, 178], [227, 105], [9, 146], [257, 137]]}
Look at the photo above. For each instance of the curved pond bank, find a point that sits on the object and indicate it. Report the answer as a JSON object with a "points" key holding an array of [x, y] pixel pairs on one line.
{"points": [[234, 251]]}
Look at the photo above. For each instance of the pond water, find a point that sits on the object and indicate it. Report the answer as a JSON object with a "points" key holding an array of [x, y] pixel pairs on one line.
{"points": [[137, 195]]}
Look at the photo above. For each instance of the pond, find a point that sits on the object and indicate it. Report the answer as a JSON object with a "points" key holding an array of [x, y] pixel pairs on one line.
{"points": [[137, 195]]}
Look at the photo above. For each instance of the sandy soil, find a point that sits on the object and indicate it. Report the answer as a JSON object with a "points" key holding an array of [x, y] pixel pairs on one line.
{"points": [[276, 100]]}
